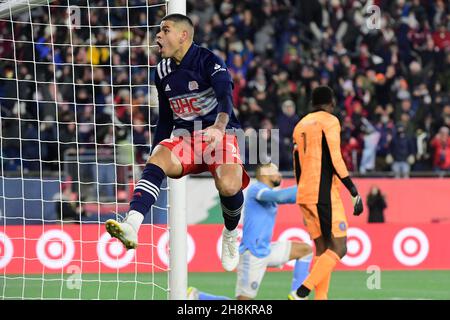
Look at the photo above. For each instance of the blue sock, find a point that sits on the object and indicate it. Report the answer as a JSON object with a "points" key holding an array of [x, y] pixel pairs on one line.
{"points": [[301, 271], [207, 296], [147, 189], [231, 209]]}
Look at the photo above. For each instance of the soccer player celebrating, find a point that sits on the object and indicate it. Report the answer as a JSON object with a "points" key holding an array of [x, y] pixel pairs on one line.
{"points": [[256, 250], [195, 103], [319, 168]]}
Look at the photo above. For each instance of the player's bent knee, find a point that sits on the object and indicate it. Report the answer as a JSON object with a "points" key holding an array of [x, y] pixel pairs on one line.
{"points": [[343, 251], [163, 158], [305, 249], [228, 187], [340, 249], [320, 245], [300, 250]]}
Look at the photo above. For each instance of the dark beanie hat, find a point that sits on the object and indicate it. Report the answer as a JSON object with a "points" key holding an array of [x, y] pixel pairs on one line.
{"points": [[322, 95]]}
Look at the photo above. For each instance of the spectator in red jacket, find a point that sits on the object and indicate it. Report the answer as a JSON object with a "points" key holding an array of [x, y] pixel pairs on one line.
{"points": [[441, 146]]}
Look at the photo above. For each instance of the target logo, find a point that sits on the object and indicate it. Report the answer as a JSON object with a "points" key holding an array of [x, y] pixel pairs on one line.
{"points": [[6, 250], [295, 234], [359, 248], [219, 242], [112, 253], [163, 248], [55, 249], [411, 246]]}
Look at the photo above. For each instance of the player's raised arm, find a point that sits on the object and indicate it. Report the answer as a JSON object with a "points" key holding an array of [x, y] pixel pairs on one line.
{"points": [[164, 126], [287, 195]]}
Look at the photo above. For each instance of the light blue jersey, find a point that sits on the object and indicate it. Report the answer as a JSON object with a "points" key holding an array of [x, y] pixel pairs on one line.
{"points": [[260, 209]]}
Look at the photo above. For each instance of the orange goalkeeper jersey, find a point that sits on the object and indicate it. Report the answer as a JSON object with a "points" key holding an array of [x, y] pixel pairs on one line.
{"points": [[318, 140]]}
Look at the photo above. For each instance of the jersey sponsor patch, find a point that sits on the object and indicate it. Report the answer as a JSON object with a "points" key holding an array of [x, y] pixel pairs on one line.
{"points": [[190, 106]]}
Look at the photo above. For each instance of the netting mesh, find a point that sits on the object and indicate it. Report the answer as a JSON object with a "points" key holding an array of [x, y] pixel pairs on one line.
{"points": [[75, 91]]}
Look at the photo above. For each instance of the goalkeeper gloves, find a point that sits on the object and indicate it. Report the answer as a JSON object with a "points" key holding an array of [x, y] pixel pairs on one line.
{"points": [[357, 205]]}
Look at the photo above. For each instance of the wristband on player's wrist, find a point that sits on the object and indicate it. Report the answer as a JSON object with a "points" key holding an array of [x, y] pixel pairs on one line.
{"points": [[348, 183]]}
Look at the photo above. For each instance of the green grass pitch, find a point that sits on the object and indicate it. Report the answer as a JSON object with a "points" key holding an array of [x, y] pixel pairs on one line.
{"points": [[276, 285]]}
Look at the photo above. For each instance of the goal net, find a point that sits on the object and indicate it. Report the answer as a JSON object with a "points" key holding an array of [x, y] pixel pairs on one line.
{"points": [[75, 132]]}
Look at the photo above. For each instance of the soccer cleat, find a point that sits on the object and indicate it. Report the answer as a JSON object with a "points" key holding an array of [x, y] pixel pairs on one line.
{"points": [[294, 296], [122, 231], [230, 253], [192, 293]]}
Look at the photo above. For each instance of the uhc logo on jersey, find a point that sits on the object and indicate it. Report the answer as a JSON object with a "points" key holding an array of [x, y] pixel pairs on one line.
{"points": [[184, 105], [193, 105]]}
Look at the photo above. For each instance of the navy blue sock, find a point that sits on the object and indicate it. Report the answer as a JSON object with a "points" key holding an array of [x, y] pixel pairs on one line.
{"points": [[231, 209], [147, 189]]}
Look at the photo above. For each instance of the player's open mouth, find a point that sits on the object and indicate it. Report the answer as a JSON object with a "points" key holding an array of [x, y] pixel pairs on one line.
{"points": [[160, 46]]}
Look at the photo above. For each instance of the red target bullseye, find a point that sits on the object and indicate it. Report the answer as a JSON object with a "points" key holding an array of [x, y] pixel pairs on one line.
{"points": [[112, 253], [410, 246], [163, 248], [354, 247], [6, 250], [115, 249], [359, 248], [55, 249]]}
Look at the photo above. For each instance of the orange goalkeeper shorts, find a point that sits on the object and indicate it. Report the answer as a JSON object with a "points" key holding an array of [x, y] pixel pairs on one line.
{"points": [[327, 220]]}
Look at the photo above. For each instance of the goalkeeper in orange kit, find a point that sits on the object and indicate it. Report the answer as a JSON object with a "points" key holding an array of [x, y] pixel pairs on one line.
{"points": [[320, 169]]}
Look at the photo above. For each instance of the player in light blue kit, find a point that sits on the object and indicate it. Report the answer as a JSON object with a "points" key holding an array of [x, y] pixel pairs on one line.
{"points": [[256, 250]]}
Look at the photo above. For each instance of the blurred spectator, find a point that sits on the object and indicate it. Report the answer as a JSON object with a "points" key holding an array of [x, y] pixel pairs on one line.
{"points": [[376, 203], [288, 120], [140, 140], [441, 146], [105, 170], [423, 157], [401, 153], [275, 50], [385, 126], [67, 207], [371, 138]]}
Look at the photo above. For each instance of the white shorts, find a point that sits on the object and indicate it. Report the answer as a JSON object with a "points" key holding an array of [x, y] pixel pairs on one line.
{"points": [[251, 269]]}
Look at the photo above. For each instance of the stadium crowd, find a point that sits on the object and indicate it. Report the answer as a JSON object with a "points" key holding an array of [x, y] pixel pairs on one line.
{"points": [[392, 84]]}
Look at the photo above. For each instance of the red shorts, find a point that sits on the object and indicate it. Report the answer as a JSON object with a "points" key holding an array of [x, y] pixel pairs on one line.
{"points": [[196, 156]]}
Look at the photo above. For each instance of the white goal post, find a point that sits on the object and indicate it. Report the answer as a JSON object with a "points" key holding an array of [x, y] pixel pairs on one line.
{"points": [[178, 274]]}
